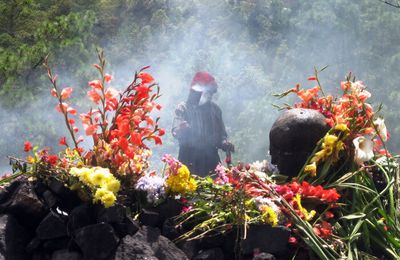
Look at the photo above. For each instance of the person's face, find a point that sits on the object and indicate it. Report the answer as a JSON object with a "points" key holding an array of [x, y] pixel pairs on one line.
{"points": [[205, 97]]}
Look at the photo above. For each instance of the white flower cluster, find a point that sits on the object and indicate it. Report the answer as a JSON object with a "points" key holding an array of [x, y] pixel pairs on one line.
{"points": [[153, 185]]}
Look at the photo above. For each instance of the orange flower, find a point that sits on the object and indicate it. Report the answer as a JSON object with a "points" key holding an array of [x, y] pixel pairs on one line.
{"points": [[108, 78], [309, 94], [53, 92], [64, 107], [66, 93], [96, 84], [90, 129], [94, 96]]}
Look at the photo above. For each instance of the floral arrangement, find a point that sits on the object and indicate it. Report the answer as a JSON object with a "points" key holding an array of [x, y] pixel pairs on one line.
{"points": [[119, 125], [343, 204], [344, 196]]}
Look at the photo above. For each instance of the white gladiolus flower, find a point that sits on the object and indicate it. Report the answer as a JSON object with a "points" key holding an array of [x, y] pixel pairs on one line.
{"points": [[363, 149], [381, 127]]}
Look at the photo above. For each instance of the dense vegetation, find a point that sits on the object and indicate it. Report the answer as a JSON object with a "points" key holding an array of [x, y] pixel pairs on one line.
{"points": [[253, 47]]}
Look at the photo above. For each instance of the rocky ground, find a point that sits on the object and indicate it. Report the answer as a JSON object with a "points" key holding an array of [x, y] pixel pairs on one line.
{"points": [[40, 221]]}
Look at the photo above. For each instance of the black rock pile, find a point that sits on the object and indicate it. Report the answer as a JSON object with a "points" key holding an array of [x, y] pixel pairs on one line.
{"points": [[40, 221], [43, 222]]}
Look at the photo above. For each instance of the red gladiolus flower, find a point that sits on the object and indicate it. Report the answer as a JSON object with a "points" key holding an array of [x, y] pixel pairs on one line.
{"points": [[94, 96], [145, 77], [142, 91], [108, 78], [90, 129], [27, 146], [66, 93], [136, 138], [53, 92], [63, 141], [52, 159], [64, 106], [71, 110], [96, 84], [161, 132]]}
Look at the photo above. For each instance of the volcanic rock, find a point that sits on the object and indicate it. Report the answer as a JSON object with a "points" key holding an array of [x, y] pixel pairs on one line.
{"points": [[134, 248], [149, 218], [210, 254], [266, 239], [13, 239], [81, 216], [65, 254], [96, 241], [52, 226], [163, 248], [68, 198]]}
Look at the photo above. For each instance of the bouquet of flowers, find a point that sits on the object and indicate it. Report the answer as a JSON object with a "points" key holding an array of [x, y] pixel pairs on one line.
{"points": [[119, 125]]}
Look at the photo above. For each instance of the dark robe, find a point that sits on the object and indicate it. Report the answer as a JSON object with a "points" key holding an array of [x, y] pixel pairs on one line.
{"points": [[200, 141]]}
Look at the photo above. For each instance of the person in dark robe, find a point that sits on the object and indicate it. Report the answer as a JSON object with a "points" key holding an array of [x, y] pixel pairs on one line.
{"points": [[199, 127]]}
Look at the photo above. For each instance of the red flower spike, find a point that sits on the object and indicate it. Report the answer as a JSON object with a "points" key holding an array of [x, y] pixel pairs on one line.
{"points": [[64, 105], [145, 77], [66, 93], [95, 84], [108, 78], [71, 110], [63, 141], [27, 146], [94, 96], [52, 159], [161, 132], [53, 92]]}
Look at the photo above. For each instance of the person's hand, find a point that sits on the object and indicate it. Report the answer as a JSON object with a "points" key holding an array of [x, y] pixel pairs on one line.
{"points": [[177, 131], [227, 146], [183, 125]]}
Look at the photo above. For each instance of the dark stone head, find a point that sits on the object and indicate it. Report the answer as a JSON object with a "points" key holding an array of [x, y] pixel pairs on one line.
{"points": [[293, 137]]}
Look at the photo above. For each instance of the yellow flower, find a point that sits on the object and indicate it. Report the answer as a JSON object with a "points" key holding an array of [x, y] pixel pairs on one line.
{"points": [[307, 215], [108, 199], [184, 172], [100, 193], [105, 196], [329, 140], [181, 182], [330, 145], [269, 215], [341, 127], [113, 185], [97, 178], [311, 169]]}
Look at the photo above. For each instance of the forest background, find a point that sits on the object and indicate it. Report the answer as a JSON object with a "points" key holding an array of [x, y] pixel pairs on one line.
{"points": [[254, 48]]}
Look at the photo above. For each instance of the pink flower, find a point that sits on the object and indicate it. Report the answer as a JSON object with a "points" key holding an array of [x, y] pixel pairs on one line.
{"points": [[95, 84], [94, 96], [66, 93], [108, 78]]}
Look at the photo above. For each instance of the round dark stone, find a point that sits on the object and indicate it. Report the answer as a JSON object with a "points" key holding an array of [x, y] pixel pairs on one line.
{"points": [[293, 137]]}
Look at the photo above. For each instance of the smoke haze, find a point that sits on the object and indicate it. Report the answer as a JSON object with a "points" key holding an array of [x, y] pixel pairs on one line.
{"points": [[253, 50]]}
